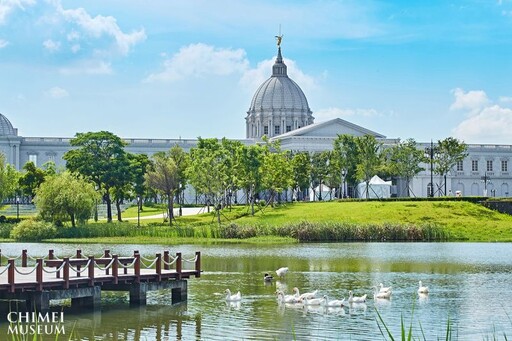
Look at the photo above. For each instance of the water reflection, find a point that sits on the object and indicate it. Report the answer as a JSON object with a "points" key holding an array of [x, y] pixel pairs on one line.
{"points": [[460, 277]]}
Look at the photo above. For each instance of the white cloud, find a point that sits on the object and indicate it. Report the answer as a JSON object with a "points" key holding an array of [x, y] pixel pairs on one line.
{"points": [[75, 48], [471, 100], [100, 25], [3, 43], [56, 92], [493, 125], [198, 60], [51, 45], [90, 67], [8, 6], [73, 36], [506, 99], [330, 113]]}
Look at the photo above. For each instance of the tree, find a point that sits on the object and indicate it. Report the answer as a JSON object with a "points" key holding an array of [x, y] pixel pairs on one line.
{"points": [[8, 179], [248, 168], [346, 153], [301, 170], [369, 159], [181, 160], [31, 179], [138, 166], [448, 152], [64, 197], [207, 171], [404, 160], [276, 170], [162, 175], [99, 156], [319, 171]]}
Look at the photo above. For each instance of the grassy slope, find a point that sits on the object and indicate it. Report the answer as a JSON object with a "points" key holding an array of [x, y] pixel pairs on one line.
{"points": [[461, 219]]}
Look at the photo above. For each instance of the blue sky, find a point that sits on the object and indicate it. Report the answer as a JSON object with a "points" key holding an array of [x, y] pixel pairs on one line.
{"points": [[170, 69]]}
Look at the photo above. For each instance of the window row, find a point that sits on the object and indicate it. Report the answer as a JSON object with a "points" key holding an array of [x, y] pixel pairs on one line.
{"points": [[489, 166]]}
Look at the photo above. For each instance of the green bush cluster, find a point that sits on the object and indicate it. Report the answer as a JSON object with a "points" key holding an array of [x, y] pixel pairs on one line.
{"points": [[339, 232], [33, 230]]}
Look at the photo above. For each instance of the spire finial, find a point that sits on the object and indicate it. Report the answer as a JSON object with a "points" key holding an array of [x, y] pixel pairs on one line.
{"points": [[279, 37]]}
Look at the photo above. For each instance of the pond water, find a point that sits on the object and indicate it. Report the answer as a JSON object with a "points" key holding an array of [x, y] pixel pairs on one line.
{"points": [[469, 286]]}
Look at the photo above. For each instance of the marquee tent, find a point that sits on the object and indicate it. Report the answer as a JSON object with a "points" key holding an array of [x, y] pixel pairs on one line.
{"points": [[377, 188]]}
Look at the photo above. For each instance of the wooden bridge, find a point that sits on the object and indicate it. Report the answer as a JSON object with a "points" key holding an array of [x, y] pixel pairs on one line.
{"points": [[82, 278]]}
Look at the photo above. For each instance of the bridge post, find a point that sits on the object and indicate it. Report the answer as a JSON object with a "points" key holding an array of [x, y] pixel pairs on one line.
{"points": [[66, 273], [115, 268], [179, 294], [24, 258], [158, 266], [51, 255], [39, 274], [166, 260], [38, 301], [178, 265], [91, 271], [78, 267], [136, 267], [10, 275], [198, 264], [93, 301], [138, 293]]}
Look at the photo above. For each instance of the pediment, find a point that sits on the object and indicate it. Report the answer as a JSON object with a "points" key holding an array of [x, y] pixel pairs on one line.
{"points": [[331, 128]]}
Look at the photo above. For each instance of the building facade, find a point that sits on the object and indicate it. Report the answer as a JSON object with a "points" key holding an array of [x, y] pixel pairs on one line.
{"points": [[280, 110]]}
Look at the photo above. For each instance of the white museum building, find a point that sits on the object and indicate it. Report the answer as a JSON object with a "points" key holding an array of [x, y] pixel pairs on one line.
{"points": [[279, 109]]}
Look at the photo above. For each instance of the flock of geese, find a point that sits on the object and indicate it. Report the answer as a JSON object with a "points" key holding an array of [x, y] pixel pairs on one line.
{"points": [[311, 298]]}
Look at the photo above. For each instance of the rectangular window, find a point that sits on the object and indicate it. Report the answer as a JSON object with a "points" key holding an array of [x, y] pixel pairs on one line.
{"points": [[33, 158], [288, 128], [504, 166], [489, 165], [277, 130], [51, 158], [460, 166], [265, 130], [474, 165]]}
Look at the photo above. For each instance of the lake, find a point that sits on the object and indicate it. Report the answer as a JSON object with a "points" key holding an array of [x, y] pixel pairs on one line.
{"points": [[469, 286]]}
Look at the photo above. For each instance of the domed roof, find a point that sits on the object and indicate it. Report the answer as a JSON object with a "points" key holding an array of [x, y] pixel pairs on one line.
{"points": [[279, 92], [6, 128]]}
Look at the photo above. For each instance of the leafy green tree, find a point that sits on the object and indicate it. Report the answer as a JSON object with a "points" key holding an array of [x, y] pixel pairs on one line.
{"points": [[31, 178], [138, 166], [99, 156], [248, 169], [447, 153], [162, 175], [276, 170], [319, 171], [404, 161], [346, 153], [301, 170], [181, 160], [66, 197], [207, 171], [8, 179], [369, 159]]}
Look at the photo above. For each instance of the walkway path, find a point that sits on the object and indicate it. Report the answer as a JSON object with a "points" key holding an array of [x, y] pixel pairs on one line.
{"points": [[184, 210]]}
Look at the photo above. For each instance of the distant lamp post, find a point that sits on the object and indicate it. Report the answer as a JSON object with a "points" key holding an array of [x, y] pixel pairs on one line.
{"points": [[138, 211], [180, 200], [96, 205], [429, 152], [17, 208], [485, 179], [343, 177]]}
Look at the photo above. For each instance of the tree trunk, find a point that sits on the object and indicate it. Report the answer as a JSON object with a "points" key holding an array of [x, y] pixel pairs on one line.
{"points": [[72, 216], [109, 206], [170, 203], [118, 207], [367, 189]]}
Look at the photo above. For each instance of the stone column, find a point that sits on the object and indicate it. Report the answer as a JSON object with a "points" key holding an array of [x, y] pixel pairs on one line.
{"points": [[138, 293]]}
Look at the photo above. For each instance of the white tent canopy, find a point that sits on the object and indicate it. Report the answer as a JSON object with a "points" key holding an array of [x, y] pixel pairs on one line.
{"points": [[377, 188], [327, 193]]}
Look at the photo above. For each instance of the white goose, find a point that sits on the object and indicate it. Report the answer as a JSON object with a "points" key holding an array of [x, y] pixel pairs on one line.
{"points": [[281, 272], [313, 301], [282, 298], [308, 295], [232, 298], [381, 294], [268, 278], [333, 303], [356, 299], [422, 289], [383, 288]]}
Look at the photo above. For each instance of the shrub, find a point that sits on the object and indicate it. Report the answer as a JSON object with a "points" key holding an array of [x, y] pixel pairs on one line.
{"points": [[33, 230], [5, 230]]}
